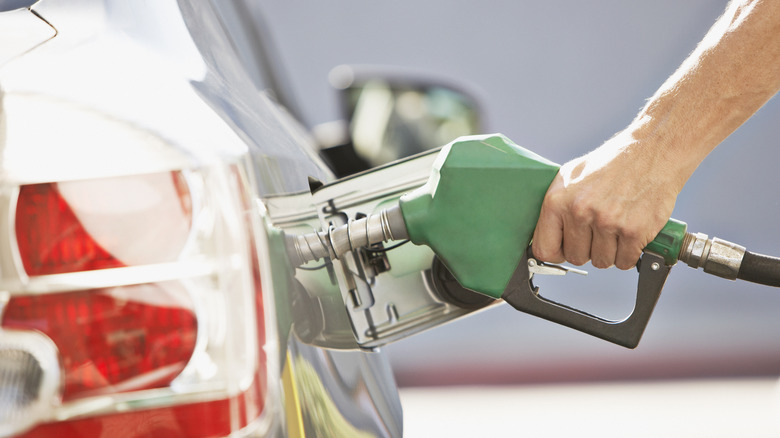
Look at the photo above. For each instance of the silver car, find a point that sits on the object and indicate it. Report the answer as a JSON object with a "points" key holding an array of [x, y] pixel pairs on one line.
{"points": [[148, 178]]}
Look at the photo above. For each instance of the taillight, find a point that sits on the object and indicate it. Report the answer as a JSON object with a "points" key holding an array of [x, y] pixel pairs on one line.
{"points": [[112, 340], [55, 242], [85, 225], [142, 297]]}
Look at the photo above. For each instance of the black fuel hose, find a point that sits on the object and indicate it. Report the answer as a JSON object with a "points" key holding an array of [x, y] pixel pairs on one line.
{"points": [[759, 268]]}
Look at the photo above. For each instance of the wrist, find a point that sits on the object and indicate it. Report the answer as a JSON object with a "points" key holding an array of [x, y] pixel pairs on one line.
{"points": [[670, 152]]}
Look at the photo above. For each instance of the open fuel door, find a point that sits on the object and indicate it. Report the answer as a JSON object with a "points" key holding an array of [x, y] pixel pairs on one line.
{"points": [[389, 291]]}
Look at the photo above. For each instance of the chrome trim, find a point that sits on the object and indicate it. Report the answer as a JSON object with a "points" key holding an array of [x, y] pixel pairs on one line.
{"points": [[112, 277]]}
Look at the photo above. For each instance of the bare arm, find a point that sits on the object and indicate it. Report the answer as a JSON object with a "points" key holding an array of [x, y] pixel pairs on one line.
{"points": [[609, 204]]}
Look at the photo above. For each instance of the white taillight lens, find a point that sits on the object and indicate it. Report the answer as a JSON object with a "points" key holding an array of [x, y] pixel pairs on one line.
{"points": [[146, 288]]}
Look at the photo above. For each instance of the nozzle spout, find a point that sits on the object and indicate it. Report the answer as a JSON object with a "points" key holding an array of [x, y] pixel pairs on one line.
{"points": [[386, 225]]}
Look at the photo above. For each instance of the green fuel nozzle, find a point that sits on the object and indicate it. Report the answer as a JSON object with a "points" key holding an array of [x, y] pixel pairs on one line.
{"points": [[479, 208], [478, 211]]}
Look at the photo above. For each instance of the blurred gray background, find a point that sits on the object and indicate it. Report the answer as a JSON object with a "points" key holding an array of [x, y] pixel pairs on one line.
{"points": [[560, 77]]}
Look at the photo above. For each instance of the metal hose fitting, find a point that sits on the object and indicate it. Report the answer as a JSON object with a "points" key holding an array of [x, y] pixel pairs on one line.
{"points": [[716, 256], [386, 225]]}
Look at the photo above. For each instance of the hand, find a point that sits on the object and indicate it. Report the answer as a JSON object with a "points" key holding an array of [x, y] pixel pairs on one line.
{"points": [[607, 205]]}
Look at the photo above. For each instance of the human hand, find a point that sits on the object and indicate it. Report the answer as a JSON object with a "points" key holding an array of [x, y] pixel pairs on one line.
{"points": [[607, 205]]}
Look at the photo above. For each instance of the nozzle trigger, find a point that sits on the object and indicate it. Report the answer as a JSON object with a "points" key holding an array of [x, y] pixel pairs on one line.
{"points": [[521, 294], [537, 267]]}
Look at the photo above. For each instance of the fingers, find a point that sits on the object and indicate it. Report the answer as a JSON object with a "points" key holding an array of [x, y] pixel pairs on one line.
{"points": [[579, 244], [577, 239], [548, 237], [628, 253], [604, 249], [577, 235]]}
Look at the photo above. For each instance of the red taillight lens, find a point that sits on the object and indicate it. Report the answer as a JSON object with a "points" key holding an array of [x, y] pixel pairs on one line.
{"points": [[112, 340], [52, 240], [78, 226]]}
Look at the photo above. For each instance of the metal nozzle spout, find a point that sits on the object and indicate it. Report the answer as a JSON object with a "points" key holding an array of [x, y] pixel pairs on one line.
{"points": [[386, 225]]}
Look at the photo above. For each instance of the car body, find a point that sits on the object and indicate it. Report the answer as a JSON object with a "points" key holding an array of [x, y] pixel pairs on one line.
{"points": [[149, 176]]}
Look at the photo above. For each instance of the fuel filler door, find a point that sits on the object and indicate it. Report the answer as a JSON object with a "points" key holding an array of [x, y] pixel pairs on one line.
{"points": [[388, 291]]}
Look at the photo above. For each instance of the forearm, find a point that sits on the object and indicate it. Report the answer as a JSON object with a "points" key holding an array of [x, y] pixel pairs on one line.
{"points": [[730, 75]]}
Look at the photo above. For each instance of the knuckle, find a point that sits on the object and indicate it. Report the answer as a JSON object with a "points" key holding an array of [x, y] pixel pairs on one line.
{"points": [[553, 195], [555, 202], [629, 233], [581, 211], [607, 223]]}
